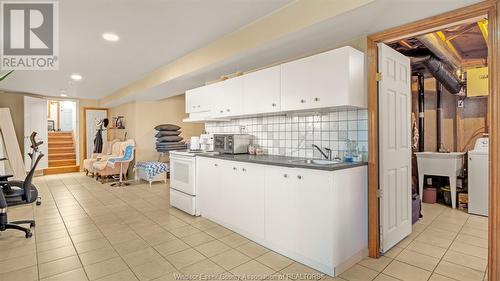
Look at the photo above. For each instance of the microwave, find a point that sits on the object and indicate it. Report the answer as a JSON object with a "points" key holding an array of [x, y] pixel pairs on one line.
{"points": [[231, 143]]}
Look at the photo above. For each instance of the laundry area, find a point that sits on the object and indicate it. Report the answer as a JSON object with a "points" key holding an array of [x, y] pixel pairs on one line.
{"points": [[449, 106]]}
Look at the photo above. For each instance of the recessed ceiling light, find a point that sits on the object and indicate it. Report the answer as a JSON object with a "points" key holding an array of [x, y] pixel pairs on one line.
{"points": [[76, 77], [64, 95], [111, 37]]}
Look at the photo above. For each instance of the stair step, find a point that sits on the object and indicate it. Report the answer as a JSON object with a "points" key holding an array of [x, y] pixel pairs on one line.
{"points": [[60, 133], [60, 138], [61, 170], [61, 156], [62, 162], [61, 144], [57, 150]]}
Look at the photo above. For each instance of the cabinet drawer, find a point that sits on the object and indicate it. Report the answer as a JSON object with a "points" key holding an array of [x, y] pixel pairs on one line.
{"points": [[184, 202]]}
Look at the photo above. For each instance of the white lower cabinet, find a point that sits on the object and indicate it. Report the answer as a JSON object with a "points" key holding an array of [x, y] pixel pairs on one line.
{"points": [[318, 218], [299, 212], [232, 193], [209, 177]]}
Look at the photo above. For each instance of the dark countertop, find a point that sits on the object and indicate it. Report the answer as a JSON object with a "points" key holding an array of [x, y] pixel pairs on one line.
{"points": [[284, 161]]}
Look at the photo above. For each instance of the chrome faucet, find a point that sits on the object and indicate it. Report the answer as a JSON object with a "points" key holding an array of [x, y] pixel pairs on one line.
{"points": [[328, 150]]}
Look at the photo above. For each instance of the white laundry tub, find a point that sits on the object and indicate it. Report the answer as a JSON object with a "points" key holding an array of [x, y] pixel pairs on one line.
{"points": [[448, 164]]}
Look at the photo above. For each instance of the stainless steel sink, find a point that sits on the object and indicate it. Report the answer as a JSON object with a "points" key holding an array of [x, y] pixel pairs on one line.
{"points": [[325, 162], [316, 161]]}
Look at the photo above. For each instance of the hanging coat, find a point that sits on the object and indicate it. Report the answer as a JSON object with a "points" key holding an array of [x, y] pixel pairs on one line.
{"points": [[98, 141]]}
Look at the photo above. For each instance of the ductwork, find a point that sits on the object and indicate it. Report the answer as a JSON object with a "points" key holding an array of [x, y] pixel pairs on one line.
{"points": [[436, 64], [440, 50], [437, 68], [443, 75]]}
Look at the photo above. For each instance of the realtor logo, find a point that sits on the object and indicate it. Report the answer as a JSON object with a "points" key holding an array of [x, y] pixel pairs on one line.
{"points": [[30, 35]]}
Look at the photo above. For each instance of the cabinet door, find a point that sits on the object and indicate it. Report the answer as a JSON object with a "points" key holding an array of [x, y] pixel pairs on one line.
{"points": [[232, 102], [295, 81], [194, 100], [261, 91], [328, 77], [333, 78], [248, 193], [280, 223], [298, 212], [209, 188], [227, 97], [214, 98]]}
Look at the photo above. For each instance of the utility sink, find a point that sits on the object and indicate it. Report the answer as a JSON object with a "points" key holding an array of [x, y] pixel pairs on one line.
{"points": [[448, 164]]}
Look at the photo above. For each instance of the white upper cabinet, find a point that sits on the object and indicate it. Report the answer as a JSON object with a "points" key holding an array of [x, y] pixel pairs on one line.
{"points": [[261, 91], [228, 100], [196, 100], [204, 99], [331, 79]]}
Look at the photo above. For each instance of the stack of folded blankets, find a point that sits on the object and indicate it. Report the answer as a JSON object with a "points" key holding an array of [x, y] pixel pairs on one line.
{"points": [[168, 138]]}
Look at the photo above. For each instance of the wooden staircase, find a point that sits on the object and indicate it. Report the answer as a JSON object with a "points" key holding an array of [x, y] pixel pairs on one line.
{"points": [[62, 155]]}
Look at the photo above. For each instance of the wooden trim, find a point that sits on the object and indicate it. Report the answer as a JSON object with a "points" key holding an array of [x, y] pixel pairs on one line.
{"points": [[58, 115], [488, 8], [84, 134], [494, 135], [373, 170], [434, 23]]}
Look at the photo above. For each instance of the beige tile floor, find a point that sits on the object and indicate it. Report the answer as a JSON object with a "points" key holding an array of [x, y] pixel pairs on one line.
{"points": [[89, 231]]}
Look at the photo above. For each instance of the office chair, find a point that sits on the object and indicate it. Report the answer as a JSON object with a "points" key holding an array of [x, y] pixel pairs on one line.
{"points": [[14, 191], [20, 192]]}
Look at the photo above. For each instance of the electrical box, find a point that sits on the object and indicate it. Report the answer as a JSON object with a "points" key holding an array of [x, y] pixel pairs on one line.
{"points": [[477, 82]]}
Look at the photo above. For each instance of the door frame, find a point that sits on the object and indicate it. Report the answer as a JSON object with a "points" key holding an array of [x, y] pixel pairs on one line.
{"points": [[489, 8], [84, 133]]}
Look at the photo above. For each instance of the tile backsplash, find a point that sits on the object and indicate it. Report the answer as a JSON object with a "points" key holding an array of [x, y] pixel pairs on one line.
{"points": [[294, 134]]}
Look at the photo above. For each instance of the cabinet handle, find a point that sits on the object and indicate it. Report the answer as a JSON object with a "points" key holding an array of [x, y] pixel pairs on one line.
{"points": [[302, 101], [216, 165], [273, 104], [228, 110], [234, 168], [316, 99], [198, 105], [244, 170], [299, 177], [222, 111], [194, 106], [285, 176]]}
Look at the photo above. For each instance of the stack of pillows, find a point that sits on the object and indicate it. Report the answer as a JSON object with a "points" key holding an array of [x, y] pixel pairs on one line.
{"points": [[168, 138]]}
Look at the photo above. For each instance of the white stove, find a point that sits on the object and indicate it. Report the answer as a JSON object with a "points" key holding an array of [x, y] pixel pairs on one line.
{"points": [[183, 189]]}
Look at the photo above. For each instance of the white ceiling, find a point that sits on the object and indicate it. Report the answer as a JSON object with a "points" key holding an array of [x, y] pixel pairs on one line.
{"points": [[334, 32], [152, 34], [177, 27]]}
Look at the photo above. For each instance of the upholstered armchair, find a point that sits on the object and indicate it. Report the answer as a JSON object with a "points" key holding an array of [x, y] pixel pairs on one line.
{"points": [[107, 151], [107, 167]]}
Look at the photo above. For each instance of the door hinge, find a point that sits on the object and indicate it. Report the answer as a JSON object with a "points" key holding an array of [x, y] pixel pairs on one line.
{"points": [[378, 76], [379, 193]]}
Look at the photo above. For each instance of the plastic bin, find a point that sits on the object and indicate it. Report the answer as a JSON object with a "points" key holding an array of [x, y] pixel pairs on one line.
{"points": [[430, 195]]}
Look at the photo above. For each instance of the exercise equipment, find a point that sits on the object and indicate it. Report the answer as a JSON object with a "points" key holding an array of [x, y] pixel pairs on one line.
{"points": [[15, 191], [18, 191]]}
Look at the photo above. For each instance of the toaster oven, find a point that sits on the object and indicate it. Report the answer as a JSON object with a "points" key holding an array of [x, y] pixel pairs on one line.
{"points": [[231, 143]]}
